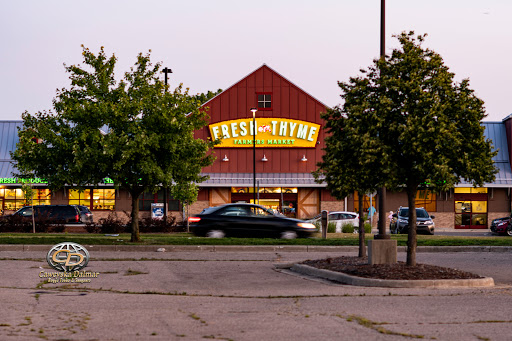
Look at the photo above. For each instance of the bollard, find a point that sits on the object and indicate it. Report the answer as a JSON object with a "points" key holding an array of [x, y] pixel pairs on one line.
{"points": [[325, 223]]}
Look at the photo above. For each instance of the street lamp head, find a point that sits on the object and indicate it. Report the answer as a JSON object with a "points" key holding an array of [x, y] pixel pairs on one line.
{"points": [[254, 111]]}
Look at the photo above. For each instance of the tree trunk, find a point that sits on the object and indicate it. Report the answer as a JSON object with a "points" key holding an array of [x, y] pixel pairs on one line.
{"points": [[362, 247], [411, 237], [135, 216]]}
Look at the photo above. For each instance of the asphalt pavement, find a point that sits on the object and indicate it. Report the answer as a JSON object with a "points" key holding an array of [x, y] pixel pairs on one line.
{"points": [[237, 294]]}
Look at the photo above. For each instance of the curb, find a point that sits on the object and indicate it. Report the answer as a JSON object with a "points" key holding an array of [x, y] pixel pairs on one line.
{"points": [[388, 283], [251, 248]]}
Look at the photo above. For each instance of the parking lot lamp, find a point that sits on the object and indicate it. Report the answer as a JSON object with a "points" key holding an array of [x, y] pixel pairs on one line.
{"points": [[254, 153]]}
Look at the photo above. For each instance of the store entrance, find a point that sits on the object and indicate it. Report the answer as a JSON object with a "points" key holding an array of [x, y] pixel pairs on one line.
{"points": [[470, 208], [278, 199]]}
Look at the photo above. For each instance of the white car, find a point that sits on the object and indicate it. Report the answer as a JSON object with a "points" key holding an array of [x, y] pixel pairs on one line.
{"points": [[340, 219]]}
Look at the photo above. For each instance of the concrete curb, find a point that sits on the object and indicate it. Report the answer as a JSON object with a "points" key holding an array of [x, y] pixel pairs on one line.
{"points": [[251, 248], [371, 282]]}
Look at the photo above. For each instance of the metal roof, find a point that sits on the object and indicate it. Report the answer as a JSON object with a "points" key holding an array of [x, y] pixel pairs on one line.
{"points": [[264, 180], [495, 131], [8, 140]]}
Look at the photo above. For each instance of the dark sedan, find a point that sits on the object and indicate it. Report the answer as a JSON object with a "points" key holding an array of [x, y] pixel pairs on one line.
{"points": [[247, 220]]}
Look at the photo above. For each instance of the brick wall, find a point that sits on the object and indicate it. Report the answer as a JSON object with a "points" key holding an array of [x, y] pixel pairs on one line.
{"points": [[198, 206], [444, 219], [332, 206]]}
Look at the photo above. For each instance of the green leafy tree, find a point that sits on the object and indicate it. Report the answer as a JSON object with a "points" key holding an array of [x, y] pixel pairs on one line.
{"points": [[131, 131], [205, 97], [352, 155], [425, 128]]}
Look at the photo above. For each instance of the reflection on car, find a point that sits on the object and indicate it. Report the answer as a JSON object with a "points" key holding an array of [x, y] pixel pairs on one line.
{"points": [[400, 221], [58, 214], [340, 219], [247, 220], [85, 214], [502, 226]]}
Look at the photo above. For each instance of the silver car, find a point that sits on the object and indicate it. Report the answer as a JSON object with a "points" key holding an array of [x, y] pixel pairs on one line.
{"points": [[85, 214]]}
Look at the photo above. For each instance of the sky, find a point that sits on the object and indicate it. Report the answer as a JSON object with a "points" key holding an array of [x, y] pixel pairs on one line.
{"points": [[212, 44]]}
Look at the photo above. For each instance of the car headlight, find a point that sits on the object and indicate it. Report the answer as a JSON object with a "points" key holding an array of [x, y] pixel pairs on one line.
{"points": [[306, 225], [429, 222], [402, 221]]}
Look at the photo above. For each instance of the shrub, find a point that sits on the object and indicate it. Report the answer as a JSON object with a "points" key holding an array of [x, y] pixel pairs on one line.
{"points": [[158, 225], [331, 227], [24, 225], [111, 225], [348, 228]]}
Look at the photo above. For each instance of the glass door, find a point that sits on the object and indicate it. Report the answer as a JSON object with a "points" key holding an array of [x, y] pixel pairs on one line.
{"points": [[470, 208]]}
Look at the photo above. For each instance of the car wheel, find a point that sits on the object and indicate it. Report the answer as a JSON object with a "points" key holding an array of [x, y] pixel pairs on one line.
{"points": [[509, 231], [288, 235], [215, 234]]}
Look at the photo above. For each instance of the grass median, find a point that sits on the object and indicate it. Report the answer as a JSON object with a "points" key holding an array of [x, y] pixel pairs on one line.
{"points": [[333, 239]]}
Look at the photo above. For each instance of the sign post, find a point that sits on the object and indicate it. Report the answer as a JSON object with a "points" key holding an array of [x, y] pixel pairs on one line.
{"points": [[325, 223]]}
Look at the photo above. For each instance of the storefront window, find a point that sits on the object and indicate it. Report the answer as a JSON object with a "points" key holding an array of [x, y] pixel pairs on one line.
{"points": [[95, 199], [80, 198], [470, 190], [147, 198], [104, 199], [12, 199], [41, 197]]}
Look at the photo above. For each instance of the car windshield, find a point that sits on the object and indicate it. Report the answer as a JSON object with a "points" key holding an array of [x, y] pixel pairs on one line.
{"points": [[420, 213]]}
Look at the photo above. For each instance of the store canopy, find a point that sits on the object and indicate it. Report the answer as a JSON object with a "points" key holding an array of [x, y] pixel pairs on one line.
{"points": [[263, 180]]}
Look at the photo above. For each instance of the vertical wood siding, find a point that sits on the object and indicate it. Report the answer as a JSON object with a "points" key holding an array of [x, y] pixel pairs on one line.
{"points": [[288, 101]]}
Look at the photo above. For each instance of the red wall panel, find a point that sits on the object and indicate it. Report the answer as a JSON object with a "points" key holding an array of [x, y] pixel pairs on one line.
{"points": [[288, 101]]}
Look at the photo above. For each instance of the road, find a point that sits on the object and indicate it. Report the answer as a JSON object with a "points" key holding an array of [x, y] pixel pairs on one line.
{"points": [[242, 296]]}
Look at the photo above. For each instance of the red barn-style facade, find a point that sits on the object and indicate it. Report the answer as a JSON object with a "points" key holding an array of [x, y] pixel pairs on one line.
{"points": [[289, 141]]}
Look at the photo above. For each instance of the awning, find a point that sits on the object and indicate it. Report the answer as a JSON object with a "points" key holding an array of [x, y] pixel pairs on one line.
{"points": [[264, 180]]}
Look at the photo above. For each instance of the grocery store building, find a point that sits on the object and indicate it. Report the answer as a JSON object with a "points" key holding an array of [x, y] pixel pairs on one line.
{"points": [[289, 141]]}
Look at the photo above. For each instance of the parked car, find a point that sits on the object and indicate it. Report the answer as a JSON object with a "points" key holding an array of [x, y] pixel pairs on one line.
{"points": [[247, 220], [400, 221], [58, 214], [85, 214], [339, 218], [501, 226]]}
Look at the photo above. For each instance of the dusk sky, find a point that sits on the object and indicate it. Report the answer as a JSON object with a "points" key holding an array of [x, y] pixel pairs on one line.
{"points": [[213, 44]]}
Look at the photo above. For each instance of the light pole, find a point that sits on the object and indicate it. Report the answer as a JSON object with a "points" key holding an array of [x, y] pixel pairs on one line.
{"points": [[381, 192], [166, 71], [254, 152]]}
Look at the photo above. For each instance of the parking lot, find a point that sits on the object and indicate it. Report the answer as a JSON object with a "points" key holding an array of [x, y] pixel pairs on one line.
{"points": [[240, 295]]}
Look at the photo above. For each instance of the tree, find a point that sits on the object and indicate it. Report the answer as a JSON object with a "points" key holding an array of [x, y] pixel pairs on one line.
{"points": [[131, 131], [426, 128], [352, 155], [28, 195], [205, 97]]}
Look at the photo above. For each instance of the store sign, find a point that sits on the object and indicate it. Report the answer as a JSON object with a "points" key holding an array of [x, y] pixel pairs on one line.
{"points": [[22, 181], [37, 181], [270, 132]]}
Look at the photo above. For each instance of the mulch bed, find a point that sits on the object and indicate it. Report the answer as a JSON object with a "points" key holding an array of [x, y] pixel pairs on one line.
{"points": [[357, 266]]}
